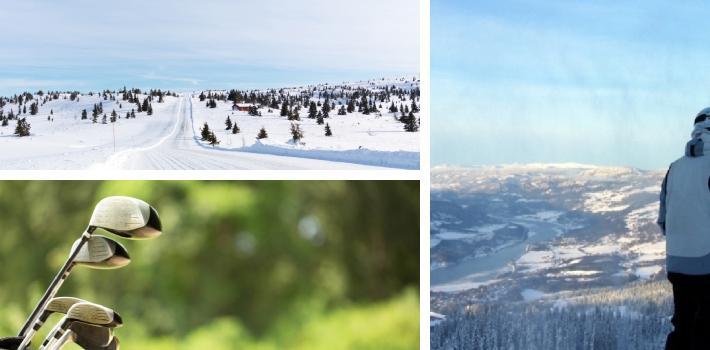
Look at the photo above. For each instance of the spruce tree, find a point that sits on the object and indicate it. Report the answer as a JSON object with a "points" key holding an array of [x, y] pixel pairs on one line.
{"points": [[312, 110], [83, 115], [411, 124], [103, 119], [212, 139], [5, 122], [284, 109], [205, 132], [328, 132], [296, 132], [150, 109], [235, 129], [22, 128], [262, 134], [228, 123], [319, 119]]}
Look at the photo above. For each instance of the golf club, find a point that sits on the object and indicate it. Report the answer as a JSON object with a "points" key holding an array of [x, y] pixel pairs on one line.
{"points": [[60, 305], [90, 313], [123, 216], [88, 337], [99, 252]]}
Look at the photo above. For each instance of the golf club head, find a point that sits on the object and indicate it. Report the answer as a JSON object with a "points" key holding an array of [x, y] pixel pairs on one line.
{"points": [[91, 337], [62, 304], [101, 252], [94, 314], [127, 217]]}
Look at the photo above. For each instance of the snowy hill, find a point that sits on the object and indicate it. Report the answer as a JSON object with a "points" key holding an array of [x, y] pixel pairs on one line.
{"points": [[169, 137], [545, 241]]}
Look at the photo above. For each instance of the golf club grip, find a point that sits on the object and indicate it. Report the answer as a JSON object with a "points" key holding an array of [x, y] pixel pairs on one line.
{"points": [[54, 286]]}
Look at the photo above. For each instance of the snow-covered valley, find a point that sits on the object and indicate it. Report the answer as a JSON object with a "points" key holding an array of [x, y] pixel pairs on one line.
{"points": [[65, 134], [516, 247]]}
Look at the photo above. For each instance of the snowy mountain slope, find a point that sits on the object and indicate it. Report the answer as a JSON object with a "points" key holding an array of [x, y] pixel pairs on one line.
{"points": [[60, 139], [578, 227], [586, 271]]}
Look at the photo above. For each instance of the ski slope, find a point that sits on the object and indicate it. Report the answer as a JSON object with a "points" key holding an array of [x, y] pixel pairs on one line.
{"points": [[169, 138], [181, 149]]}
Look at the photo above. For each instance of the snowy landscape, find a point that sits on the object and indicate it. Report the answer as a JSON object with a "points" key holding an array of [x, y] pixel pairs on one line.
{"points": [[370, 124], [547, 256]]}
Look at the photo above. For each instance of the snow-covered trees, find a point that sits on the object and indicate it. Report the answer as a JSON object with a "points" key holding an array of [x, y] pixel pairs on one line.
{"points": [[296, 132], [328, 132], [262, 134], [235, 129], [228, 123], [22, 128]]}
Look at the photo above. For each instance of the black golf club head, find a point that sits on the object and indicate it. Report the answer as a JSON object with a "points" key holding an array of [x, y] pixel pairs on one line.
{"points": [[10, 343], [91, 337]]}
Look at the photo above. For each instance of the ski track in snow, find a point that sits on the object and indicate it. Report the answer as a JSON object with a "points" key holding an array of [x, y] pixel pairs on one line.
{"points": [[181, 150]]}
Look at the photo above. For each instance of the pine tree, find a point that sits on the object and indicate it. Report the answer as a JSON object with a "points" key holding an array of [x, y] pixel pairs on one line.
{"points": [[150, 109], [205, 132], [262, 134], [146, 104], [296, 132], [341, 111], [235, 129], [22, 128], [83, 115], [212, 103], [284, 109], [228, 123], [5, 122], [411, 123], [103, 119], [351, 106], [202, 96], [293, 115], [319, 119], [212, 139], [328, 132], [312, 110]]}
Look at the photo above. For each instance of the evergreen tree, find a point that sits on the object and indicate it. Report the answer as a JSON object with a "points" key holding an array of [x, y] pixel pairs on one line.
{"points": [[393, 108], [312, 110], [205, 132], [414, 108], [212, 139], [83, 114], [235, 129], [284, 109], [328, 132], [262, 134], [319, 119], [202, 96], [411, 123], [150, 109], [293, 115], [351, 106], [22, 128], [145, 105], [296, 132], [212, 103], [228, 123], [103, 119], [5, 122]]}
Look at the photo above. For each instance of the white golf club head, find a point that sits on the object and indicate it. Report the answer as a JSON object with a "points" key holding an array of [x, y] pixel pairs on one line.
{"points": [[58, 305], [94, 314], [127, 217], [101, 252]]}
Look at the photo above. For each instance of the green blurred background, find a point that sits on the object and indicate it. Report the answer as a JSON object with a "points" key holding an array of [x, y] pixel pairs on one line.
{"points": [[240, 265]]}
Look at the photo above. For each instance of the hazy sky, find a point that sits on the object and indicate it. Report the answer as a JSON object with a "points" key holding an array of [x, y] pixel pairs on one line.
{"points": [[567, 81], [91, 44]]}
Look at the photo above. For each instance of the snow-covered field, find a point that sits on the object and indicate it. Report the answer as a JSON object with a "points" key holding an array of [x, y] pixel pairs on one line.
{"points": [[169, 138]]}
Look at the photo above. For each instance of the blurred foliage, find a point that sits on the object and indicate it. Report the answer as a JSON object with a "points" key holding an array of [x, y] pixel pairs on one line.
{"points": [[262, 264]]}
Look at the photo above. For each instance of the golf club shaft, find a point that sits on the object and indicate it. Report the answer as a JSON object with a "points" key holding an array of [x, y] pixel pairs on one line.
{"points": [[59, 343], [54, 286]]}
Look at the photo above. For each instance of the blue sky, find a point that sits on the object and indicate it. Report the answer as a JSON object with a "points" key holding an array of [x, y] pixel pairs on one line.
{"points": [[178, 44], [604, 82]]}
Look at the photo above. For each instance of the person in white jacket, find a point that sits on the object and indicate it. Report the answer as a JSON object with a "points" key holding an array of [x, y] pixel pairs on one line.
{"points": [[684, 218]]}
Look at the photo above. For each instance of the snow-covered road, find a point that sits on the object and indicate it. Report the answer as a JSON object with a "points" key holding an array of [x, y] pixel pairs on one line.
{"points": [[179, 149]]}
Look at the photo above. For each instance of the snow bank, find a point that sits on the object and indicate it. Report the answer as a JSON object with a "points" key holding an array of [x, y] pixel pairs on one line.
{"points": [[390, 159]]}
